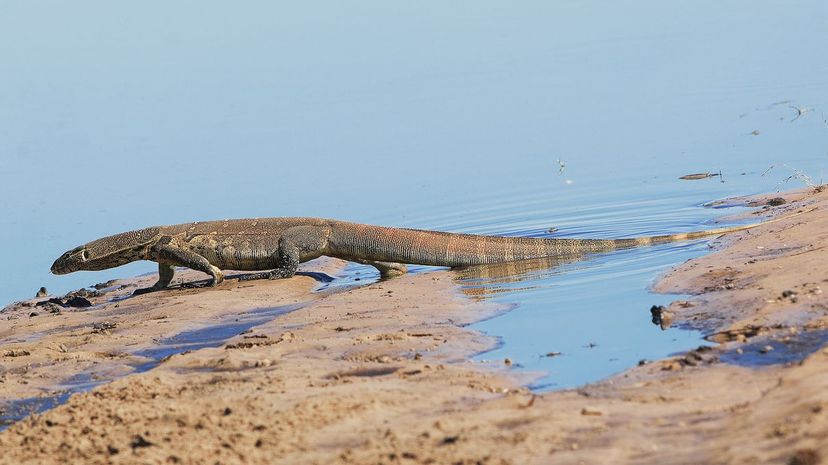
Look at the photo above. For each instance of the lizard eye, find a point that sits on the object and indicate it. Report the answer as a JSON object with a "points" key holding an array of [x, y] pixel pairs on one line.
{"points": [[84, 255]]}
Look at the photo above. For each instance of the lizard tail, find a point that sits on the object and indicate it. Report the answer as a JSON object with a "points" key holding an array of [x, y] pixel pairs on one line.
{"points": [[400, 245], [653, 240]]}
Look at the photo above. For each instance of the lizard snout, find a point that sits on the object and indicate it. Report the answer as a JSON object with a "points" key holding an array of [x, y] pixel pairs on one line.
{"points": [[58, 267], [68, 262]]}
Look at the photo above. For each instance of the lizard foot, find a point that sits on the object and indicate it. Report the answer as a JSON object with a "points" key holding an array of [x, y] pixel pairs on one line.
{"points": [[218, 277], [144, 290]]}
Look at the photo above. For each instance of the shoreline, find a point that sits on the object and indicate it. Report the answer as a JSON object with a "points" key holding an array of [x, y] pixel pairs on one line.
{"points": [[380, 374]]}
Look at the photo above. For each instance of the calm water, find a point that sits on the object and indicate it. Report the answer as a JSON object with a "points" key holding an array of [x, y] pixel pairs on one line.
{"points": [[451, 116]]}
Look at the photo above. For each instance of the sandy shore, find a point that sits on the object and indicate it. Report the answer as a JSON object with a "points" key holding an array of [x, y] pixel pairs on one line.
{"points": [[380, 374]]}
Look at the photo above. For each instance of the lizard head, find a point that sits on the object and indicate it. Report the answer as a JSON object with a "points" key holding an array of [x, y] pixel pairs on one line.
{"points": [[107, 252]]}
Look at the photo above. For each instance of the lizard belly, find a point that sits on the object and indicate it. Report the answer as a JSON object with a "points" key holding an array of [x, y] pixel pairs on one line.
{"points": [[233, 253]]}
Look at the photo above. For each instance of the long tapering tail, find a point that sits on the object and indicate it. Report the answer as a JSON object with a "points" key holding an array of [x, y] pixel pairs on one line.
{"points": [[423, 247]]}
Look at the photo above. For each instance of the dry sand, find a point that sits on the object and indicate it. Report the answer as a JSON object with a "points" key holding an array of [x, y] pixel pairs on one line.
{"points": [[380, 374]]}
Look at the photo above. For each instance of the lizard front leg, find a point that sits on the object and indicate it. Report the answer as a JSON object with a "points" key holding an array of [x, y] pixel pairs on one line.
{"points": [[165, 275]]}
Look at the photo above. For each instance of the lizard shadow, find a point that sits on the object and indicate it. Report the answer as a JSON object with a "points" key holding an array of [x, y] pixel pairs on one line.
{"points": [[318, 276], [478, 281], [205, 283]]}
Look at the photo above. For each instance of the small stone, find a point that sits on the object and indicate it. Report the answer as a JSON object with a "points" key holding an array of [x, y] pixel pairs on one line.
{"points": [[103, 327], [450, 439], [79, 302], [661, 317], [507, 361], [766, 349], [670, 365], [776, 201], [42, 292], [139, 441], [82, 292], [109, 283]]}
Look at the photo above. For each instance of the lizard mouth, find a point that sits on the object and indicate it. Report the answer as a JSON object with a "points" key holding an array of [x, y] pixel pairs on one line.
{"points": [[69, 262], [59, 268]]}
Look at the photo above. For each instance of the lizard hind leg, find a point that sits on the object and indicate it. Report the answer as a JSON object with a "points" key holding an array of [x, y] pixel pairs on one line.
{"points": [[387, 270], [287, 259], [390, 270], [297, 244]]}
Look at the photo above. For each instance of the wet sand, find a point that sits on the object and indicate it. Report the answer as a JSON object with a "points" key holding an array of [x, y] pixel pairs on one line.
{"points": [[380, 374]]}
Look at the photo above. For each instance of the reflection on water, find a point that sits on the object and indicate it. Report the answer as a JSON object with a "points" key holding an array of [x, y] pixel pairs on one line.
{"points": [[591, 313], [483, 281]]}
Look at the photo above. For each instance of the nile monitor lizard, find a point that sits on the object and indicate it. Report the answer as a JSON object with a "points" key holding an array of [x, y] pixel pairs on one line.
{"points": [[280, 244]]}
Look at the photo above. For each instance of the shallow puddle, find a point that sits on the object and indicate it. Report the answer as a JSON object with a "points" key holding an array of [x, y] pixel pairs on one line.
{"points": [[209, 336], [783, 350], [212, 335], [13, 412]]}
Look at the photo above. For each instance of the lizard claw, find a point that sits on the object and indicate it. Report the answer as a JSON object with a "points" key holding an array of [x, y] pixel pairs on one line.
{"points": [[218, 277]]}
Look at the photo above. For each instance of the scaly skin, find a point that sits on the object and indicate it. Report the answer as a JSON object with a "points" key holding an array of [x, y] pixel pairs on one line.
{"points": [[280, 244]]}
